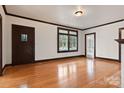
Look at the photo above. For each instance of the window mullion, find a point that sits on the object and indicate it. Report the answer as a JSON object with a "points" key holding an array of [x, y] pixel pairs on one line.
{"points": [[69, 40]]}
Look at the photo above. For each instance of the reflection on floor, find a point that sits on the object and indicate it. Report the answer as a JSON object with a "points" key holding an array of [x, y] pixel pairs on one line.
{"points": [[71, 72], [114, 79]]}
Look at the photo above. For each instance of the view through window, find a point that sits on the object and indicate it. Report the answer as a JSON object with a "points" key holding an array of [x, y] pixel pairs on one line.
{"points": [[67, 40]]}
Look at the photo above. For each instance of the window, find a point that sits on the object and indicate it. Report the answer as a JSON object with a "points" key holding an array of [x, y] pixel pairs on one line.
{"points": [[24, 37], [63, 42], [67, 40]]}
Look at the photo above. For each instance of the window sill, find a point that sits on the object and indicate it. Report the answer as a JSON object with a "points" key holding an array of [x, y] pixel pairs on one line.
{"points": [[67, 51]]}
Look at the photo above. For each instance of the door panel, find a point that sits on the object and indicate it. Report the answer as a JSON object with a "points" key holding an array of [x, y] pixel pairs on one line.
{"points": [[0, 45], [23, 41]]}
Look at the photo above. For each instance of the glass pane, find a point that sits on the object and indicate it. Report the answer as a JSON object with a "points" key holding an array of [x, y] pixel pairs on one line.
{"points": [[122, 34], [63, 42], [24, 37], [90, 45], [73, 43], [73, 32], [63, 31]]}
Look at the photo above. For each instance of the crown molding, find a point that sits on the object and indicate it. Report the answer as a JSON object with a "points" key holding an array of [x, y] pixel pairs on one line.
{"points": [[10, 14], [104, 24], [43, 21], [4, 8]]}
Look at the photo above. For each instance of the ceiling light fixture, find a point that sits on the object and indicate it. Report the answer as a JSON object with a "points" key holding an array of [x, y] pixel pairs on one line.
{"points": [[78, 13]]}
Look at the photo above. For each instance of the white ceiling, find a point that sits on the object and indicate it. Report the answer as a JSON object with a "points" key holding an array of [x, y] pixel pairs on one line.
{"points": [[64, 14]]}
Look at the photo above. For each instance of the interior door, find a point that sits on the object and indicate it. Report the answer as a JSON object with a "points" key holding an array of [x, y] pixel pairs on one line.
{"points": [[90, 45], [0, 45], [23, 44]]}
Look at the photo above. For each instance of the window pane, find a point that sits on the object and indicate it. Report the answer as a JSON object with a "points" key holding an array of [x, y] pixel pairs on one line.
{"points": [[24, 37], [73, 32], [73, 43], [63, 31], [63, 42]]}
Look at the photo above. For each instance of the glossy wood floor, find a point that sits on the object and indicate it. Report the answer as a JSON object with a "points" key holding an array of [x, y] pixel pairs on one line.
{"points": [[67, 73]]}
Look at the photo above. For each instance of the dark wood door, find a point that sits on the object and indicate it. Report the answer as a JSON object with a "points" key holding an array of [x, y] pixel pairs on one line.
{"points": [[23, 44], [0, 45]]}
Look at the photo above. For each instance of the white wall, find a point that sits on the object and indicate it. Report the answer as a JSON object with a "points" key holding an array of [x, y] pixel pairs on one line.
{"points": [[45, 39], [3, 35], [106, 46]]}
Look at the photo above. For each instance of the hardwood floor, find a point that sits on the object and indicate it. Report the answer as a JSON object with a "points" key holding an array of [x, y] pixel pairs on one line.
{"points": [[65, 73]]}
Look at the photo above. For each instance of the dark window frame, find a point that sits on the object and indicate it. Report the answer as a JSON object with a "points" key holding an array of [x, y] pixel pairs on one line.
{"points": [[1, 60], [68, 30]]}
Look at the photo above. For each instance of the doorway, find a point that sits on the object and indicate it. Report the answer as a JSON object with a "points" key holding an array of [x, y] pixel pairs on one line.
{"points": [[0, 45], [90, 45], [23, 44]]}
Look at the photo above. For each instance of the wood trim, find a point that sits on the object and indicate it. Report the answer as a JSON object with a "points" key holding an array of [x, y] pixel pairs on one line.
{"points": [[51, 23], [120, 41], [42, 21], [119, 45], [107, 59], [59, 28], [4, 8], [1, 46], [10, 14], [120, 37], [59, 58], [44, 61], [67, 29], [94, 43], [7, 65], [104, 24], [22, 26]]}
